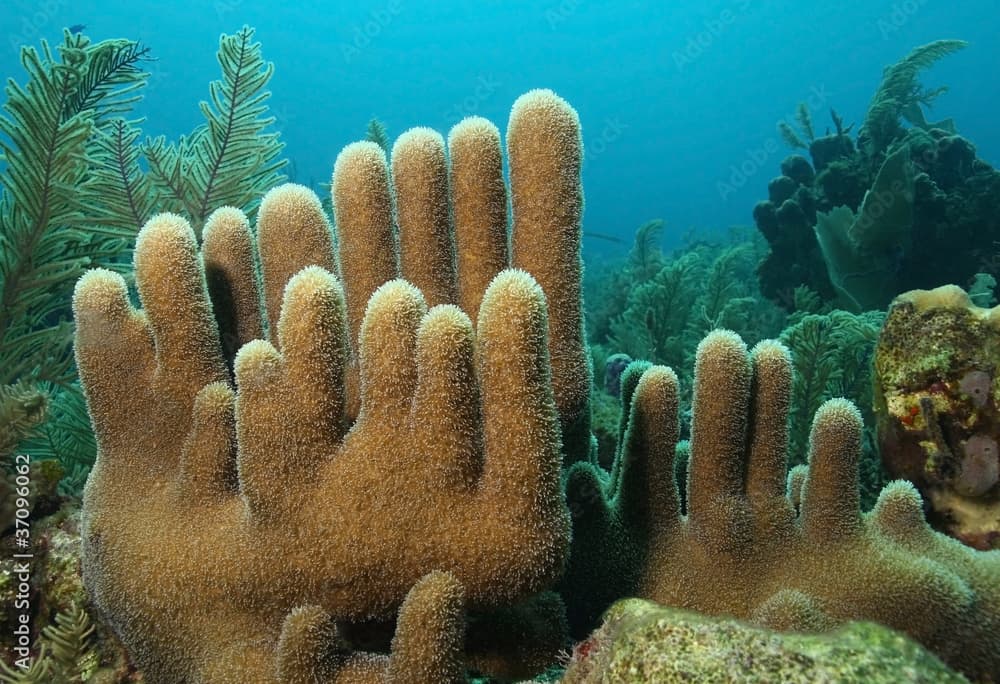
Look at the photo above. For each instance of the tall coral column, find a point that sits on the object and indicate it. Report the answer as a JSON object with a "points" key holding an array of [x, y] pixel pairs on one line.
{"points": [[361, 442]]}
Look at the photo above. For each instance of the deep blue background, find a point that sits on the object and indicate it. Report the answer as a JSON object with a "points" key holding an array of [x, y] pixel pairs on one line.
{"points": [[671, 98]]}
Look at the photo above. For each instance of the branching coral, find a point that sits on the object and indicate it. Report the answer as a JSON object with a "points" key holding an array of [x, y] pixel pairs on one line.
{"points": [[748, 548], [546, 198], [307, 514], [49, 128]]}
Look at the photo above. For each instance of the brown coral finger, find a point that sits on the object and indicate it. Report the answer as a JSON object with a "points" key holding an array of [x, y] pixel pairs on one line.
{"points": [[312, 332], [426, 243], [520, 423], [767, 451], [718, 430], [266, 465], [228, 256], [629, 380], [647, 496], [831, 506], [293, 232], [794, 484], [208, 457], [362, 208], [430, 633], [479, 206], [290, 405], [899, 514], [174, 295], [388, 343], [446, 405], [114, 349], [310, 649], [791, 610], [545, 149]]}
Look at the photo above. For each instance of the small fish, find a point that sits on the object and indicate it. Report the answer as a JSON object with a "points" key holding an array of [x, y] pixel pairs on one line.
{"points": [[77, 28]]}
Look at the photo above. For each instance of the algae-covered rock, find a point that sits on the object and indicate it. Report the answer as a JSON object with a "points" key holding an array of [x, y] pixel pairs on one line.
{"points": [[936, 404], [643, 642]]}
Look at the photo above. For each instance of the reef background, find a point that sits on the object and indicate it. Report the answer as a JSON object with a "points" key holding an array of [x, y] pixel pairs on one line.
{"points": [[697, 149], [672, 96]]}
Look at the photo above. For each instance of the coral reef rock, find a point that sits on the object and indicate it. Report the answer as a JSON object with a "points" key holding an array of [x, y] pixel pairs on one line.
{"points": [[641, 641], [937, 401]]}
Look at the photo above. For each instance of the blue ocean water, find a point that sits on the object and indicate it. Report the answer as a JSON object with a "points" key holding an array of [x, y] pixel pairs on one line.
{"points": [[679, 100]]}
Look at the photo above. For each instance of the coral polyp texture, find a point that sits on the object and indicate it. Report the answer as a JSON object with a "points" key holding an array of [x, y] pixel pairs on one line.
{"points": [[805, 558], [458, 259], [250, 496], [937, 400]]}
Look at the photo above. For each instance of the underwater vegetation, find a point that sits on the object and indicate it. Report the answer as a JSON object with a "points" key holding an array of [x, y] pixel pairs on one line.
{"points": [[863, 219], [658, 307], [672, 303], [376, 445], [77, 183]]}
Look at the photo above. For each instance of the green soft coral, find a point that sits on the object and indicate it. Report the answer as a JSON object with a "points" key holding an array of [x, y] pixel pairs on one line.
{"points": [[74, 192], [48, 195], [47, 238], [702, 288], [831, 357], [900, 95], [232, 159]]}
